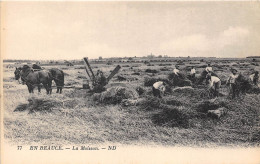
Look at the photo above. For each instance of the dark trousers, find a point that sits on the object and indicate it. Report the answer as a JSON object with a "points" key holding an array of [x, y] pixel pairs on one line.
{"points": [[234, 90], [255, 81], [157, 93], [216, 88]]}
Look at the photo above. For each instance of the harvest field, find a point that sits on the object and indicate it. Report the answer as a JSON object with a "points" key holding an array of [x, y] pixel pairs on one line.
{"points": [[179, 119]]}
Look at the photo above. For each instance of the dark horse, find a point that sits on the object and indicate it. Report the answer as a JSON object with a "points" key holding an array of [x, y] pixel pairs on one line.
{"points": [[34, 78], [58, 77]]}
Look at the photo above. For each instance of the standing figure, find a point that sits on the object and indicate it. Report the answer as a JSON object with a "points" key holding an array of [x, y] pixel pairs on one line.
{"points": [[192, 72], [158, 89], [232, 83], [176, 70], [214, 83], [204, 74], [100, 82], [254, 78]]}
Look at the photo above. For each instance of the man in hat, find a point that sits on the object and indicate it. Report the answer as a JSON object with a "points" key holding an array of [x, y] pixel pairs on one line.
{"points": [[158, 89], [232, 83], [208, 68]]}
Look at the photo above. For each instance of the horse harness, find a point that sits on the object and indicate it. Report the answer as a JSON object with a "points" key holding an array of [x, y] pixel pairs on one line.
{"points": [[23, 79], [35, 70]]}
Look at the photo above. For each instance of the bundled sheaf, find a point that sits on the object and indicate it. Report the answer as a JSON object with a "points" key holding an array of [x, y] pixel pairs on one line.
{"points": [[243, 84], [179, 81], [168, 112], [148, 82], [115, 95], [205, 106]]}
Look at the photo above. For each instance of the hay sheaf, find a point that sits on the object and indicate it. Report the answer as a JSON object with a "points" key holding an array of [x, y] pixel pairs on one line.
{"points": [[115, 95], [168, 111], [186, 91], [148, 82], [254, 90], [151, 71], [39, 104], [198, 93], [173, 117], [179, 81], [154, 103], [205, 106]]}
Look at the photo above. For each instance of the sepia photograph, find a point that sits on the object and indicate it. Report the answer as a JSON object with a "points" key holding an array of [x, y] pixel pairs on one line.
{"points": [[130, 82]]}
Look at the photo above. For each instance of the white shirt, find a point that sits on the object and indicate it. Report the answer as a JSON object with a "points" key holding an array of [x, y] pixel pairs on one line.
{"points": [[213, 80], [208, 69], [251, 77], [192, 71], [232, 78], [158, 84], [176, 71]]}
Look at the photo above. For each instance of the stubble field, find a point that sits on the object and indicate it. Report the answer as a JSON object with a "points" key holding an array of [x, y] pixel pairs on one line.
{"points": [[179, 119]]}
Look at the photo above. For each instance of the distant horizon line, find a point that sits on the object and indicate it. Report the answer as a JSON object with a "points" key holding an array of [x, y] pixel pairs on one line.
{"points": [[139, 58]]}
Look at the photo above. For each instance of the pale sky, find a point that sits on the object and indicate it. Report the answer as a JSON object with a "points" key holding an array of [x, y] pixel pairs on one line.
{"points": [[73, 30]]}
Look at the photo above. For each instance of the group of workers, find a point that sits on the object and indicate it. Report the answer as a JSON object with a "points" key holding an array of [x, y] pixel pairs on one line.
{"points": [[212, 80]]}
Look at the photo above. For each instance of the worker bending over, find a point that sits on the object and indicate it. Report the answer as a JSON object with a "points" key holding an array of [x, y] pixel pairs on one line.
{"points": [[214, 84], [158, 89]]}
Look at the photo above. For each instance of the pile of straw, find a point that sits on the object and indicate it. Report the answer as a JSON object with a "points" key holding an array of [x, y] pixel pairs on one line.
{"points": [[115, 95], [179, 81], [39, 104], [205, 106], [151, 71], [148, 82]]}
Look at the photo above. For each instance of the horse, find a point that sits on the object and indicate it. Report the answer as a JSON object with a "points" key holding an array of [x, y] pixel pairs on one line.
{"points": [[17, 73], [58, 77], [34, 78]]}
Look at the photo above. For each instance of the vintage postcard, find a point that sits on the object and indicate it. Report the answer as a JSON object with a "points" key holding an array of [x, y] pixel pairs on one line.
{"points": [[130, 82]]}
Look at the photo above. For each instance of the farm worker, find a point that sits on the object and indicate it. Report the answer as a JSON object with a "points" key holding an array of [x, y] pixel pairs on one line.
{"points": [[100, 78], [176, 70], [214, 83], [98, 72], [192, 72], [232, 82], [158, 89], [254, 77], [208, 68]]}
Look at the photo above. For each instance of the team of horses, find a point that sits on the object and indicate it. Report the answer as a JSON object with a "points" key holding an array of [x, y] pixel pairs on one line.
{"points": [[35, 76]]}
